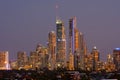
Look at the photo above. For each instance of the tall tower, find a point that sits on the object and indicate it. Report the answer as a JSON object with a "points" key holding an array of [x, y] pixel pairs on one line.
{"points": [[72, 29], [95, 57], [43, 56], [61, 44], [52, 49], [74, 41], [116, 58], [21, 59], [82, 51], [4, 60]]}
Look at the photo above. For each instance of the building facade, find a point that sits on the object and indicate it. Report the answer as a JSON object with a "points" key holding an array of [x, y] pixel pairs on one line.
{"points": [[52, 49], [116, 58], [76, 44], [22, 59], [4, 60], [95, 58], [82, 51], [60, 44]]}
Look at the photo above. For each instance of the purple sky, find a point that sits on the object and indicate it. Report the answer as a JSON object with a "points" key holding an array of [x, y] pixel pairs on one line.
{"points": [[25, 23]]}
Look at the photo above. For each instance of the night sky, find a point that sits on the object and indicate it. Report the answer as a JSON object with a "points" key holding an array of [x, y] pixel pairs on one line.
{"points": [[25, 23]]}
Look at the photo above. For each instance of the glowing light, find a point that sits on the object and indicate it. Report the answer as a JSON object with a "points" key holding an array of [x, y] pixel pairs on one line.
{"points": [[63, 40], [58, 65], [117, 48], [58, 40], [52, 32], [58, 21], [94, 47], [5, 62]]}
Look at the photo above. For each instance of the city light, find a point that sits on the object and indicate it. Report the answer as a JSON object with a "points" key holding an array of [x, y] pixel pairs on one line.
{"points": [[117, 48]]}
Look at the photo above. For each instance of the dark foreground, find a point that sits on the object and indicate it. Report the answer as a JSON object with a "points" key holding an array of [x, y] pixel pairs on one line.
{"points": [[56, 75]]}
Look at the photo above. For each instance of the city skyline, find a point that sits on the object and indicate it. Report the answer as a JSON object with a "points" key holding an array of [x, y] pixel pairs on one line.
{"points": [[23, 23]]}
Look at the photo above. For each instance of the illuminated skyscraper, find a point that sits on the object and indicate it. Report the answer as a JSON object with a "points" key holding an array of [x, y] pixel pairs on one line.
{"points": [[73, 41], [22, 59], [34, 60], [72, 30], [61, 44], [52, 49], [39, 58], [109, 58], [4, 60], [43, 56], [88, 62], [71, 62], [82, 51], [76, 44], [116, 58], [95, 57], [109, 65]]}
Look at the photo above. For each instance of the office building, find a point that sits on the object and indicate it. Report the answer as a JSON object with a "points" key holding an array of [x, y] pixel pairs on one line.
{"points": [[95, 58], [34, 61], [52, 49], [22, 59], [88, 62], [72, 27], [60, 44], [109, 65], [4, 60], [73, 42], [82, 51], [116, 58], [76, 44], [43, 56]]}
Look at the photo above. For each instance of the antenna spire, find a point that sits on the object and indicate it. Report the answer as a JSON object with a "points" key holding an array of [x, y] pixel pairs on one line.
{"points": [[58, 20], [56, 7]]}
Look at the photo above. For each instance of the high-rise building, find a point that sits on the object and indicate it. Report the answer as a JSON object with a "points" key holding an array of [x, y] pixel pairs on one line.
{"points": [[116, 58], [73, 41], [95, 57], [88, 62], [61, 44], [76, 47], [42, 56], [22, 59], [4, 60], [72, 29], [39, 58], [34, 60], [82, 51], [52, 49], [71, 61], [109, 58], [109, 66], [76, 44]]}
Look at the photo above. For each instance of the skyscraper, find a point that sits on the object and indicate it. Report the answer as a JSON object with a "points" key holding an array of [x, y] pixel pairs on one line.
{"points": [[82, 51], [43, 56], [73, 42], [116, 58], [95, 57], [72, 29], [61, 44], [52, 49], [22, 59], [76, 44], [109, 65], [4, 60]]}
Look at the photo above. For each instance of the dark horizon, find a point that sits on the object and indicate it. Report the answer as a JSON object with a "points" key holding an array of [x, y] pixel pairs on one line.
{"points": [[23, 23]]}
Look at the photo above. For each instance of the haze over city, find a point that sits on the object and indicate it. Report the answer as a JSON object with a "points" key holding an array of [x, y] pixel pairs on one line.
{"points": [[25, 23]]}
